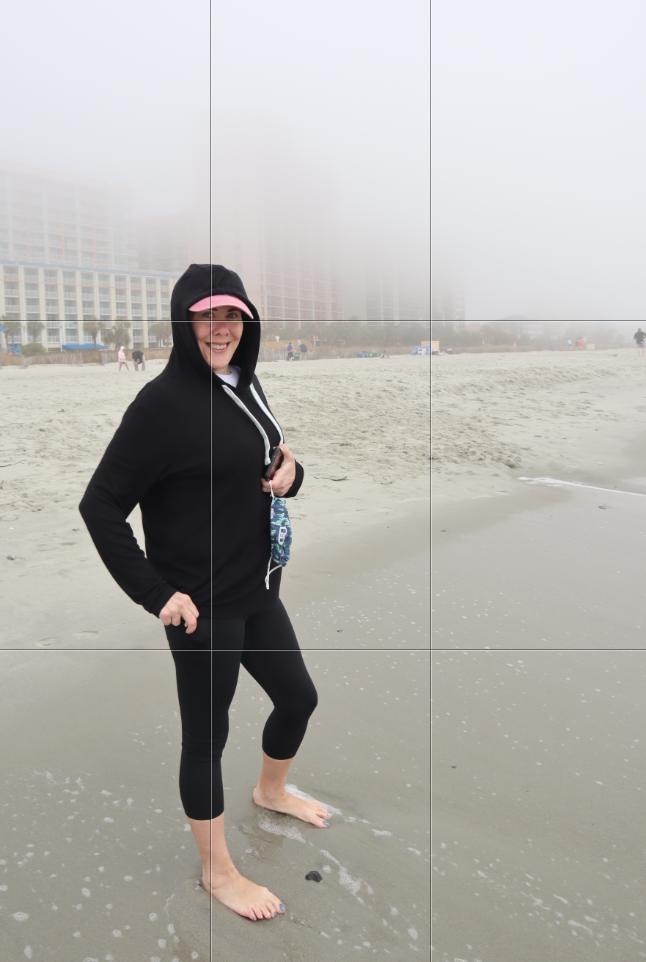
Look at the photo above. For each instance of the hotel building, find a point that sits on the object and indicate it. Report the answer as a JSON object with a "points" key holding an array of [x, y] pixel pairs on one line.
{"points": [[68, 252]]}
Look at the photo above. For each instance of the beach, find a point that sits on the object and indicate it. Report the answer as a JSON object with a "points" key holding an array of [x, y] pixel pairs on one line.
{"points": [[538, 524], [88, 688]]}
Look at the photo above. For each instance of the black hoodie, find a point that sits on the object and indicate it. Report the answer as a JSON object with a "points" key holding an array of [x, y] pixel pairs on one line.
{"points": [[193, 460], [202, 280]]}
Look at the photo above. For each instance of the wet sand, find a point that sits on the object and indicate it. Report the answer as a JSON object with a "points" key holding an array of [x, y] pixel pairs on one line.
{"points": [[564, 569], [538, 777], [365, 585], [96, 857], [539, 788]]}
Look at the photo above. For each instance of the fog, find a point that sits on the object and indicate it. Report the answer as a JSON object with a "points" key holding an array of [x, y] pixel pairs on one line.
{"points": [[539, 196], [179, 101]]}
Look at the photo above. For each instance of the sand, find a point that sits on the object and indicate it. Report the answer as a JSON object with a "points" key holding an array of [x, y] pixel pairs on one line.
{"points": [[95, 848], [538, 565], [538, 806], [538, 775], [499, 416], [360, 427], [88, 691]]}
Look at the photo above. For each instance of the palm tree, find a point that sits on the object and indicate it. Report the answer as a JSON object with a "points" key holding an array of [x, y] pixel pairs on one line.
{"points": [[94, 328], [120, 334], [34, 328], [161, 330], [14, 331]]}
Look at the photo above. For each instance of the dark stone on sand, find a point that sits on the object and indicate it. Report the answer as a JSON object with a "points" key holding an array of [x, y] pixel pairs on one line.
{"points": [[11, 557], [314, 877]]}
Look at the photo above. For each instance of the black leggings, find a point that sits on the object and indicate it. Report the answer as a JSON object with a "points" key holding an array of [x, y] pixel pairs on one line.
{"points": [[207, 676]]}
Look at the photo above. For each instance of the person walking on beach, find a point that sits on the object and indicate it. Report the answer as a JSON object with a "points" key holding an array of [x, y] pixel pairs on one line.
{"points": [[303, 350], [122, 358], [192, 450], [138, 358], [290, 351], [639, 337]]}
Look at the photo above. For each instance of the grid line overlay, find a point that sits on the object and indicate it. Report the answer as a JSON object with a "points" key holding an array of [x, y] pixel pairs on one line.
{"points": [[211, 505]]}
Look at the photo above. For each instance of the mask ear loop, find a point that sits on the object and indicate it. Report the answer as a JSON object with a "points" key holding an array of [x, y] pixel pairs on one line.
{"points": [[269, 567]]}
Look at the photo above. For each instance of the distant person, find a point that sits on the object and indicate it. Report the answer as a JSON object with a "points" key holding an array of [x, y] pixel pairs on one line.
{"points": [[303, 349], [383, 354], [138, 358], [514, 345], [580, 344], [639, 338], [290, 351], [569, 343], [122, 358]]}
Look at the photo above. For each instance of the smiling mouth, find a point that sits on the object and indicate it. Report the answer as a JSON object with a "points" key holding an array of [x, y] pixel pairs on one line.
{"points": [[219, 347]]}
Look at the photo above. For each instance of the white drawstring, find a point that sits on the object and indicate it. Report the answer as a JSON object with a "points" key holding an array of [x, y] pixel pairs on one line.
{"points": [[255, 420], [263, 407]]}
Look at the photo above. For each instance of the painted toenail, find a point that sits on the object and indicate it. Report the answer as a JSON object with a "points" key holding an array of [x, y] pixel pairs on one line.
{"points": [[274, 915], [325, 823], [281, 907]]}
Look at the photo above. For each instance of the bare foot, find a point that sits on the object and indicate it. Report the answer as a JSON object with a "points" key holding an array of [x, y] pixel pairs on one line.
{"points": [[243, 896], [308, 811]]}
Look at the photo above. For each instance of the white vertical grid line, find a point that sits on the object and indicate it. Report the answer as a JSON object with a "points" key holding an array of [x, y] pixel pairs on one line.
{"points": [[211, 493]]}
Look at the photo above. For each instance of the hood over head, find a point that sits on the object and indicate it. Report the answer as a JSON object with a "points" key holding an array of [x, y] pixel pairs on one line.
{"points": [[197, 282], [203, 280]]}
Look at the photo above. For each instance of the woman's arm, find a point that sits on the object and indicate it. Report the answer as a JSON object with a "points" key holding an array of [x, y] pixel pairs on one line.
{"points": [[289, 477], [133, 461]]}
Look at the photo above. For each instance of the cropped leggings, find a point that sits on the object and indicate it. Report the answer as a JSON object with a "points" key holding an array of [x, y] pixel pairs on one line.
{"points": [[207, 663]]}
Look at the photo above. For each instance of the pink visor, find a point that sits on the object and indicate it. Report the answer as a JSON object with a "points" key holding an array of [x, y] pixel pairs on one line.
{"points": [[221, 300]]}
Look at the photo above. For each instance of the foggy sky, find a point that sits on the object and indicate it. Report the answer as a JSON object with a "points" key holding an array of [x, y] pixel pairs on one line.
{"points": [[120, 92], [539, 151]]}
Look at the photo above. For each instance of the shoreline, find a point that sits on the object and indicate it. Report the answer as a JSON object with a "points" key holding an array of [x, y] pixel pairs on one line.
{"points": [[567, 421]]}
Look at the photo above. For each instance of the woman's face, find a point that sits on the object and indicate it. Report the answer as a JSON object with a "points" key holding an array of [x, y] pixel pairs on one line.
{"points": [[217, 339]]}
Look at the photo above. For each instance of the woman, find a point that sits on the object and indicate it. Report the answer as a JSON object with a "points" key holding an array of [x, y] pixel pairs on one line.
{"points": [[122, 358], [190, 451]]}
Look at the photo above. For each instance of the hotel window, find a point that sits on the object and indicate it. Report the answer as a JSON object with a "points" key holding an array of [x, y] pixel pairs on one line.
{"points": [[71, 330]]}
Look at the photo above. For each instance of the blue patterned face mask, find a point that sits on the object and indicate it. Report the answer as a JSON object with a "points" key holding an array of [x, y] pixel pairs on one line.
{"points": [[280, 534]]}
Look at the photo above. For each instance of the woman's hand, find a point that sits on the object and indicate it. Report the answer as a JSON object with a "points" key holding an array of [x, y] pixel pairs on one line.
{"points": [[177, 608], [284, 477]]}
